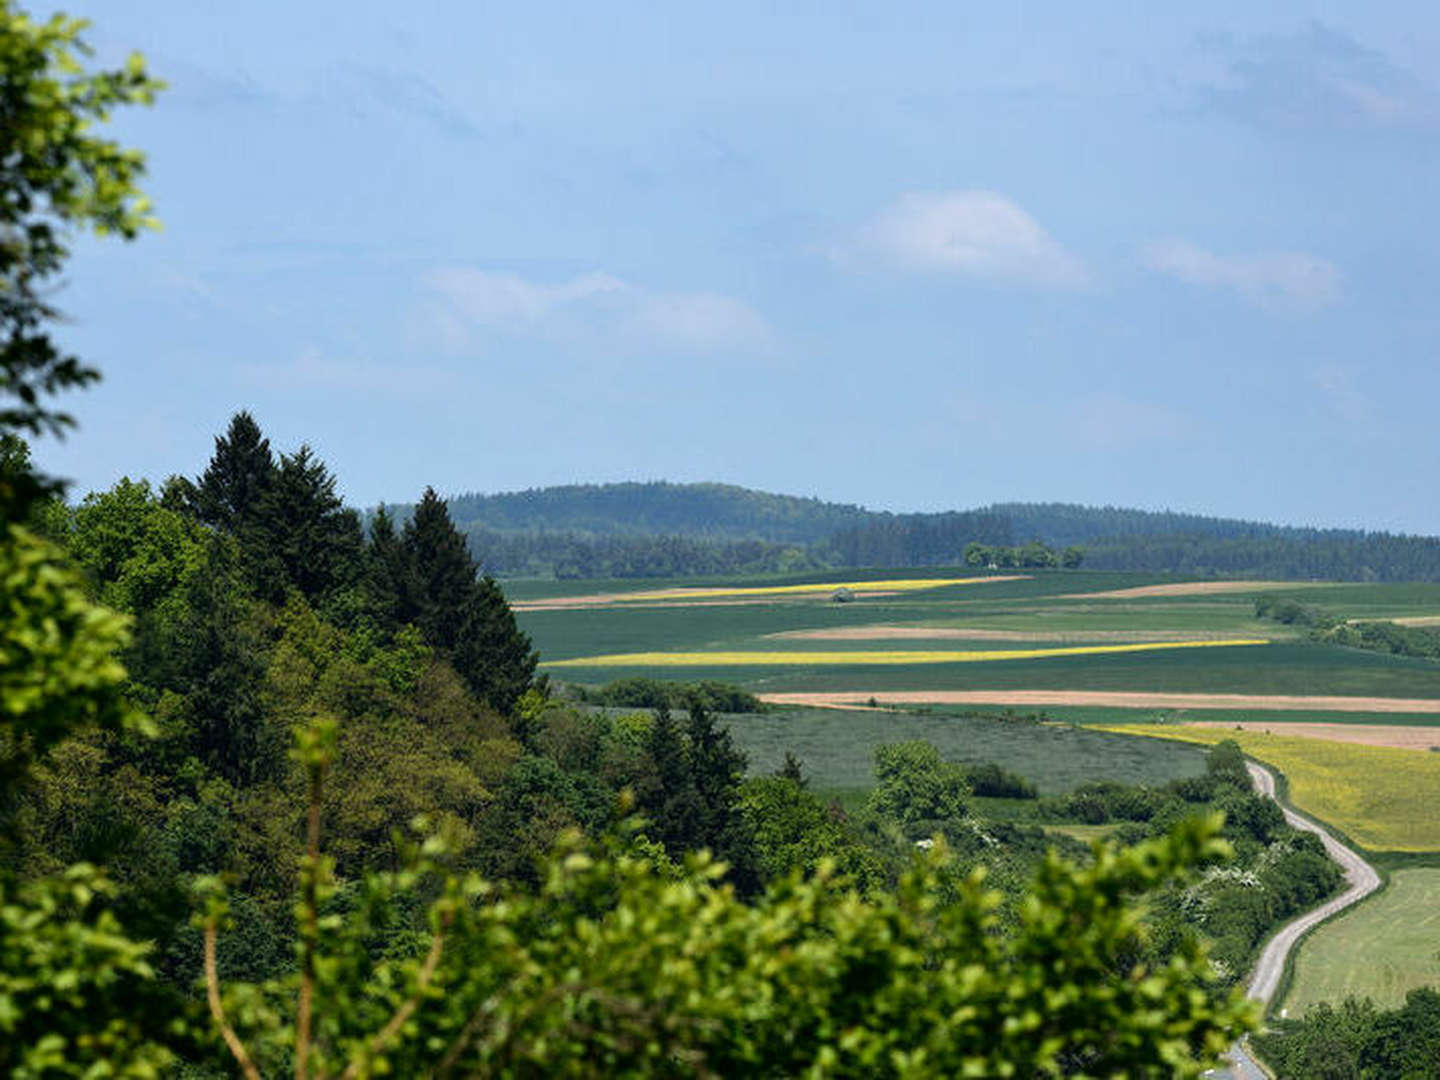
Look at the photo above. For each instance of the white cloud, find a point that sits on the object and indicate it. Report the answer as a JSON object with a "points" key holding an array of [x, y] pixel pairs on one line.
{"points": [[592, 305], [492, 299], [1290, 278], [979, 234]]}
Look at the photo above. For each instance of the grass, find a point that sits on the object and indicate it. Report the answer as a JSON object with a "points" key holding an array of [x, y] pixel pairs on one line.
{"points": [[1381, 949], [1282, 668], [837, 748], [1382, 798]]}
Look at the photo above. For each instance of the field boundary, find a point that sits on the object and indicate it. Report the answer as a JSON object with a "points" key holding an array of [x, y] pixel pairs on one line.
{"points": [[1118, 699]]}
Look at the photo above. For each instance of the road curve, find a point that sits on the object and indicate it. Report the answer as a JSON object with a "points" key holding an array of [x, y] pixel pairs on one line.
{"points": [[1265, 980], [1361, 878]]}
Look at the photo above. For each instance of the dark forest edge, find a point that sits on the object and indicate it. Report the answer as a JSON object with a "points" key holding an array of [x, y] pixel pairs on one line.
{"points": [[659, 529]]}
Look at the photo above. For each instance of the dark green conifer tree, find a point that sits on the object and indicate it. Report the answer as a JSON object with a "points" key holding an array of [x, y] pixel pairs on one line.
{"points": [[492, 653], [230, 491], [442, 573], [716, 769], [303, 533], [667, 797], [387, 571], [466, 618]]}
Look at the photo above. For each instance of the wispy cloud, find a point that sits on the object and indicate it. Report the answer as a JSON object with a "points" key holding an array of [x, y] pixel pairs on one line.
{"points": [[1285, 278], [1320, 77], [977, 234], [465, 300]]}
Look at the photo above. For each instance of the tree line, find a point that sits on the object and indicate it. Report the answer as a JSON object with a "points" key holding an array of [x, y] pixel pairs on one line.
{"points": [[1375, 635], [671, 530]]}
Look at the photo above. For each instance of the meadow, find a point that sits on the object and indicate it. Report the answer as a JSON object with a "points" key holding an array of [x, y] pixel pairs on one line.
{"points": [[837, 747], [1383, 948]]}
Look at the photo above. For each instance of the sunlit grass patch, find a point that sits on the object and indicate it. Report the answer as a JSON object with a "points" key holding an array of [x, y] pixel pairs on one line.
{"points": [[1385, 947], [1382, 798], [783, 658]]}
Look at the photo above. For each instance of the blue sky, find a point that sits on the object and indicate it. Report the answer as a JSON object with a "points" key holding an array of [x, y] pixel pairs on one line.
{"points": [[915, 256]]}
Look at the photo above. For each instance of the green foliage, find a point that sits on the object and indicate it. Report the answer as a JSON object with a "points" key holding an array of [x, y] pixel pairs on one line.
{"points": [[794, 832], [1034, 555], [1357, 1041], [643, 693], [76, 995], [916, 789], [57, 656], [137, 551], [616, 968], [991, 781]]}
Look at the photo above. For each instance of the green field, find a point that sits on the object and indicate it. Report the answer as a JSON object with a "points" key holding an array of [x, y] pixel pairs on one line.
{"points": [[1051, 610], [1303, 668], [1383, 948], [1055, 610], [837, 747]]}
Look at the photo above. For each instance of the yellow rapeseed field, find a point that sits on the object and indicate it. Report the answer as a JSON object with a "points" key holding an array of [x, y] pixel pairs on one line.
{"points": [[758, 658], [1383, 798]]}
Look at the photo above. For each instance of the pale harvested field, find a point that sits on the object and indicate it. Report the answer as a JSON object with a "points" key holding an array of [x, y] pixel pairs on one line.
{"points": [[1394, 735], [701, 595], [639, 600], [812, 658], [882, 632], [1115, 700], [1416, 620], [1190, 588]]}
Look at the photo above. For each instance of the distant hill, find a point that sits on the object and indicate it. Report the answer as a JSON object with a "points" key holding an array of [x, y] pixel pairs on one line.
{"points": [[661, 529], [712, 511]]}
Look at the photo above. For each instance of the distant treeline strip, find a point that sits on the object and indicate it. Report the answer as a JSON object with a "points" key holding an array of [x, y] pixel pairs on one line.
{"points": [[1325, 556], [646, 530], [1374, 557]]}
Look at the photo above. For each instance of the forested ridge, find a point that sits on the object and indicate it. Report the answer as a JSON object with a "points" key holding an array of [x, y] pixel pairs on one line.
{"points": [[668, 530]]}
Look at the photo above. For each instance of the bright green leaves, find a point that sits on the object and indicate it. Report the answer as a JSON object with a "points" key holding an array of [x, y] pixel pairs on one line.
{"points": [[917, 790], [73, 988], [614, 968], [58, 669]]}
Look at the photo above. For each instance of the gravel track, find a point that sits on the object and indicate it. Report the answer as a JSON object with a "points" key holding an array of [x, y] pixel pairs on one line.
{"points": [[1361, 879]]}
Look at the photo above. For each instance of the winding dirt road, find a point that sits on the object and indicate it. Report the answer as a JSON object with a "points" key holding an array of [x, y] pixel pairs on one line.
{"points": [[1361, 880]]}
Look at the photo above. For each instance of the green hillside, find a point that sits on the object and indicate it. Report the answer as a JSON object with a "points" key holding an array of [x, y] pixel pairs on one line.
{"points": [[660, 529]]}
